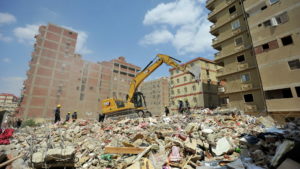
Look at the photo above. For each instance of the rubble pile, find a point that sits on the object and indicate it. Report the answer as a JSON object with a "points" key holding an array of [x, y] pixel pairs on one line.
{"points": [[202, 140]]}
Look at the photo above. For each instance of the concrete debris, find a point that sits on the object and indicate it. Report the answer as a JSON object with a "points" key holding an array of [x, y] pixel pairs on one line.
{"points": [[223, 138]]}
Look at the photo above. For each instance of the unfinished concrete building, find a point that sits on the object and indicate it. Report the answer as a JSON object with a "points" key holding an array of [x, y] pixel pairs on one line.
{"points": [[239, 71], [156, 94], [202, 94], [274, 26], [8, 102], [57, 75]]}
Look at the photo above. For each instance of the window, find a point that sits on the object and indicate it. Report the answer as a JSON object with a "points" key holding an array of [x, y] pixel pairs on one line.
{"points": [[132, 69], [184, 78], [265, 46], [172, 91], [298, 90], [235, 24], [123, 66], [115, 71], [70, 33], [178, 91], [287, 40], [172, 82], [232, 9], [207, 72], [185, 89], [248, 98], [273, 1], [238, 41], [282, 18], [267, 23], [245, 78], [240, 58], [177, 80], [123, 73], [91, 87], [177, 71], [194, 87], [278, 94], [263, 8], [294, 64], [172, 73], [131, 75], [116, 64], [195, 99]]}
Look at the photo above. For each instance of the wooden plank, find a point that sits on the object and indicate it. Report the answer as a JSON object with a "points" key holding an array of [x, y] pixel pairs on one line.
{"points": [[123, 150]]}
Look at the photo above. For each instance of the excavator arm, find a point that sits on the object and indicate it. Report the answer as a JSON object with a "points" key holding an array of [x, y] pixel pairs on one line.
{"points": [[158, 61]]}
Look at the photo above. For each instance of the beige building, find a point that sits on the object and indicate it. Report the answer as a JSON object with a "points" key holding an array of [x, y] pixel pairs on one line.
{"points": [[57, 75], [156, 94], [8, 102], [200, 94], [275, 30], [239, 73]]}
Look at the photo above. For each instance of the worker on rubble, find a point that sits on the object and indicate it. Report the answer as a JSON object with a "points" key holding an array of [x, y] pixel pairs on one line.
{"points": [[57, 113], [180, 106], [167, 111], [68, 117], [187, 106], [101, 117], [74, 116]]}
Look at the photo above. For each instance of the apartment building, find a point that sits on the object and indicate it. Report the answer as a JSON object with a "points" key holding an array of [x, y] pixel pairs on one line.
{"points": [[57, 75], [156, 94], [8, 102], [274, 26], [239, 73], [202, 94]]}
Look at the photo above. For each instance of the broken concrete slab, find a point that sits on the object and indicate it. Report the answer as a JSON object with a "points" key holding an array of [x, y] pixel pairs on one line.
{"points": [[223, 146]]}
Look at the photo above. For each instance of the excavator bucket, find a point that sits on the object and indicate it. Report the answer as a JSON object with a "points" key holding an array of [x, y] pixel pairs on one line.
{"points": [[195, 70]]}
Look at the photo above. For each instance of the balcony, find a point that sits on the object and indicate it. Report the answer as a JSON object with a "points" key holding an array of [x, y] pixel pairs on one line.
{"points": [[222, 22], [220, 8], [224, 37]]}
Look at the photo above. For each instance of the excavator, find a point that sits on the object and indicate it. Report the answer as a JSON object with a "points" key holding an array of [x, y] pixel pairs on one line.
{"points": [[135, 104]]}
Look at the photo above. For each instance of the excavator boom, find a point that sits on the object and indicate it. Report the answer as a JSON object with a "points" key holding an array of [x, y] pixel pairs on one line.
{"points": [[114, 106]]}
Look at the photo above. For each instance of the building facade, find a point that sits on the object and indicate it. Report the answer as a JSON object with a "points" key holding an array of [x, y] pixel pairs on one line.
{"points": [[202, 94], [156, 94], [57, 75], [239, 73], [8, 102], [274, 26]]}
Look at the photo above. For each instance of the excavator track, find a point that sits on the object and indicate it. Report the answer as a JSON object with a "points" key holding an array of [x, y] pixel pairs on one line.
{"points": [[131, 114]]}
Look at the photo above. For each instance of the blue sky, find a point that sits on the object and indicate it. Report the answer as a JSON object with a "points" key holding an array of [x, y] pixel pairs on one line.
{"points": [[136, 29]]}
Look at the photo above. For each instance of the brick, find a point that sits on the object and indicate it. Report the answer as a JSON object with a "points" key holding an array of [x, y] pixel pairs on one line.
{"points": [[48, 53], [50, 45], [37, 101], [39, 91], [42, 81], [52, 36], [273, 44], [46, 62], [258, 49], [44, 72], [54, 28], [34, 112], [70, 34]]}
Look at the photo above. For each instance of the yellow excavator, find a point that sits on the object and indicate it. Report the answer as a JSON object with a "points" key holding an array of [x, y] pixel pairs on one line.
{"points": [[135, 105]]}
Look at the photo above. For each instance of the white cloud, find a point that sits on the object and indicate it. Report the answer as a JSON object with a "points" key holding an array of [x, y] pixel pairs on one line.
{"points": [[6, 60], [157, 37], [11, 85], [173, 13], [5, 38], [26, 34], [185, 20], [6, 18], [81, 46]]}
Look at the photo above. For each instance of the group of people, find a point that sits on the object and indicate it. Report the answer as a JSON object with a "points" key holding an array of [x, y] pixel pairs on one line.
{"points": [[183, 107], [68, 116]]}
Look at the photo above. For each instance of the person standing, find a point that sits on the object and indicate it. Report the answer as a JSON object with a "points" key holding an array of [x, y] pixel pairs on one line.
{"points": [[74, 116], [187, 106], [101, 117], [68, 117], [180, 106], [57, 113], [167, 111]]}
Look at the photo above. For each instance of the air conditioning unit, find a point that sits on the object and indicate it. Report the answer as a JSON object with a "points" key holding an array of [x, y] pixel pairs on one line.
{"points": [[246, 86], [221, 89], [250, 108], [243, 66], [274, 22]]}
